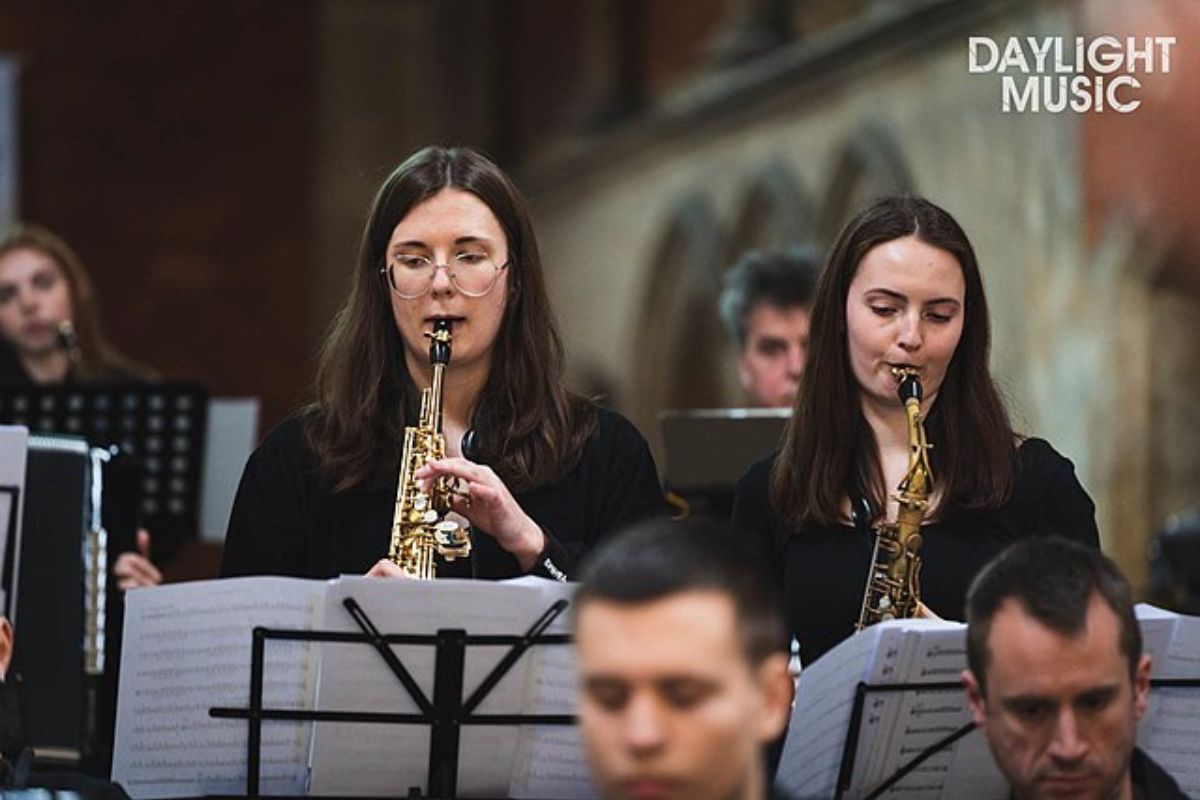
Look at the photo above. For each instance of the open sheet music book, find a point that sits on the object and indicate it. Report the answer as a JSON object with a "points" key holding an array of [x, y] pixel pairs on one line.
{"points": [[1170, 731], [895, 726], [187, 649]]}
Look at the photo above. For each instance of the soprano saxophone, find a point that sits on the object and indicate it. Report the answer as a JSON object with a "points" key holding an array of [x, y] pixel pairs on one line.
{"points": [[420, 528], [893, 588]]}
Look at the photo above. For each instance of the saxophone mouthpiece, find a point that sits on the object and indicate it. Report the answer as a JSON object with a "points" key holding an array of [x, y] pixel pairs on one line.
{"points": [[909, 387], [439, 342]]}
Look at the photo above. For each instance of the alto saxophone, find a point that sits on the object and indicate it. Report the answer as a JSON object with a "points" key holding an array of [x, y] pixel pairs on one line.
{"points": [[419, 526], [893, 584]]}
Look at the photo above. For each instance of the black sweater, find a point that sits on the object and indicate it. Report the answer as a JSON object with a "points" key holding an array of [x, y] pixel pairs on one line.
{"points": [[822, 570], [287, 521]]}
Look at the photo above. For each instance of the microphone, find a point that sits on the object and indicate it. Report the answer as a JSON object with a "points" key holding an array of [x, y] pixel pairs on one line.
{"points": [[68, 340]]}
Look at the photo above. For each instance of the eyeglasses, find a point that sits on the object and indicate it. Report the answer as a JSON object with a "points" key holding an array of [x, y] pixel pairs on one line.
{"points": [[472, 272]]}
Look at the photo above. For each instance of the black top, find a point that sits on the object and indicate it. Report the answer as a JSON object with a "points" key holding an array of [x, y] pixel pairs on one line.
{"points": [[823, 570], [1150, 781], [287, 521]]}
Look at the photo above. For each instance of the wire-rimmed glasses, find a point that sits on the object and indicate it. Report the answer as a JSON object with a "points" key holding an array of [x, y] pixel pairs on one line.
{"points": [[472, 272]]}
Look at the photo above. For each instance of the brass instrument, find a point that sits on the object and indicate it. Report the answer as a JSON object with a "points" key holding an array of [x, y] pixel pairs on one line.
{"points": [[893, 588], [419, 527]]}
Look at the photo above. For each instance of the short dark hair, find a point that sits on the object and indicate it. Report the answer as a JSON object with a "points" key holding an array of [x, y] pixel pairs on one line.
{"points": [[1054, 580], [781, 278], [661, 558]]}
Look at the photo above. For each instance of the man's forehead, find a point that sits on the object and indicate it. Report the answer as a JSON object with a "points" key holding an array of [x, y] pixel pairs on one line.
{"points": [[685, 626], [1025, 652], [767, 313], [713, 607]]}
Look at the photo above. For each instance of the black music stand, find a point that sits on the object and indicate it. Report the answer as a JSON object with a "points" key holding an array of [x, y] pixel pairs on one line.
{"points": [[10, 547], [445, 715], [846, 772], [161, 425], [708, 450]]}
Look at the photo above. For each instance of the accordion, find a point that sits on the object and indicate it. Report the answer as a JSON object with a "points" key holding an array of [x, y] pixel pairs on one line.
{"points": [[80, 509]]}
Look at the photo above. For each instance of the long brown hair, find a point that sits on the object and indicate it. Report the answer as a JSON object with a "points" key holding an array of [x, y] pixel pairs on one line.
{"points": [[529, 428], [830, 449], [97, 358]]}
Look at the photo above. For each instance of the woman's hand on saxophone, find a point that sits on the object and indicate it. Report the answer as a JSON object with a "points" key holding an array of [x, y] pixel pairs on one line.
{"points": [[385, 568], [925, 612], [487, 504]]}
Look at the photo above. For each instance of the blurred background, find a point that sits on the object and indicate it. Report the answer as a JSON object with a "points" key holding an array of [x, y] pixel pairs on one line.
{"points": [[212, 162]]}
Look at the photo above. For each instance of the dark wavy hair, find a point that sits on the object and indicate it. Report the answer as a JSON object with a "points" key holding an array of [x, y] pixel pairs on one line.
{"points": [[529, 428], [98, 359], [830, 449]]}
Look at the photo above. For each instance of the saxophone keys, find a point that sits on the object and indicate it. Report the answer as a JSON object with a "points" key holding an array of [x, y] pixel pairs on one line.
{"points": [[452, 541]]}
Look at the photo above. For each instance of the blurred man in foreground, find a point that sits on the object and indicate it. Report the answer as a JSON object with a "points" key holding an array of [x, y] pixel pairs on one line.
{"points": [[683, 667]]}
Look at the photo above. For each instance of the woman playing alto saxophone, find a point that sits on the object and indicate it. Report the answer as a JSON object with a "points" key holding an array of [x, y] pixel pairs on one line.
{"points": [[901, 293], [540, 474]]}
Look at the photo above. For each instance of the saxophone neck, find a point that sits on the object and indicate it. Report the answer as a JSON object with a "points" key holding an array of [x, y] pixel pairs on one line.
{"points": [[439, 357], [919, 477], [431, 401]]}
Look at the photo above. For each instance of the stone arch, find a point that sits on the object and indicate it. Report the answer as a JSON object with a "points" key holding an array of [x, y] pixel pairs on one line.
{"points": [[681, 342], [870, 165], [774, 211]]}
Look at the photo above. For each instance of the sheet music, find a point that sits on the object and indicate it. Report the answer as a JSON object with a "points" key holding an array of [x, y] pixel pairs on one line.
{"points": [[894, 727], [550, 760], [187, 648], [14, 446], [391, 758], [812, 752], [1170, 731], [907, 723], [1158, 627]]}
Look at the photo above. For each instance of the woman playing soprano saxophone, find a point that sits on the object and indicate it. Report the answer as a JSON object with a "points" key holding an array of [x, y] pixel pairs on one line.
{"points": [[544, 473], [901, 289]]}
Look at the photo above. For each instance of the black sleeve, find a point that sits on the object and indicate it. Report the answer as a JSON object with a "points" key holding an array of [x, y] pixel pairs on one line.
{"points": [[267, 527], [624, 489], [1065, 508], [754, 516]]}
